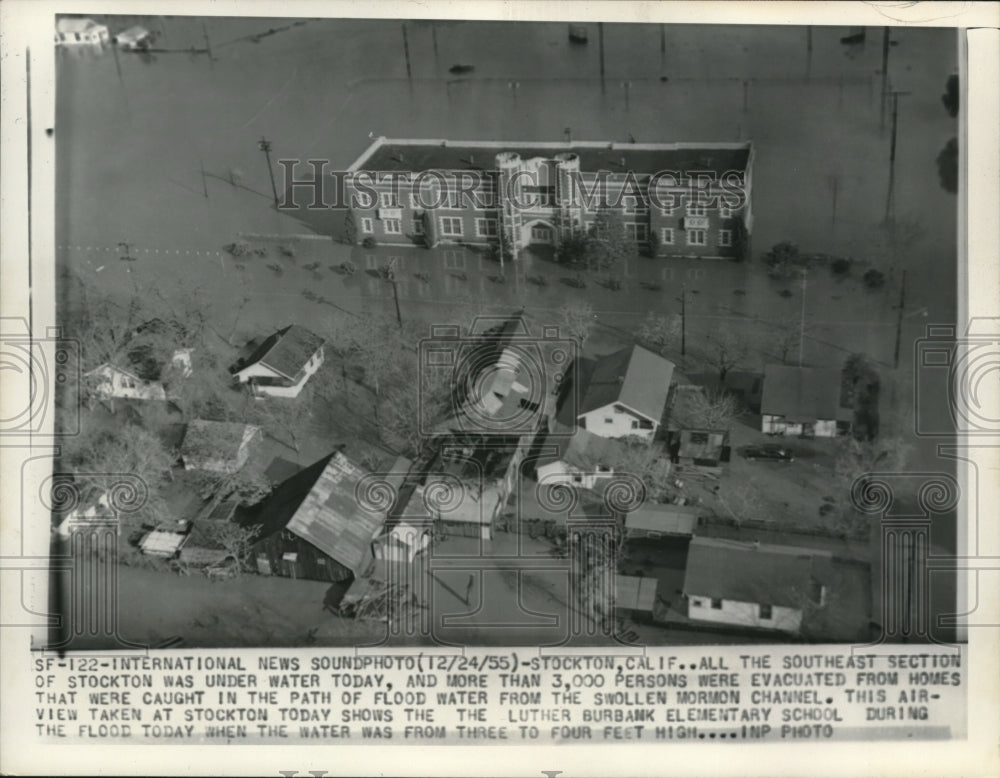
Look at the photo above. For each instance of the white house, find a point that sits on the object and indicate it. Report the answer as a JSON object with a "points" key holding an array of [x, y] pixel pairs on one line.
{"points": [[72, 32], [217, 446], [282, 364], [625, 394], [803, 402], [752, 584], [137, 379], [576, 458], [135, 37]]}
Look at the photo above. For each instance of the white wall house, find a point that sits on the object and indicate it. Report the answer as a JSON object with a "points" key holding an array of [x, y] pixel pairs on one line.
{"points": [[625, 394], [561, 472], [126, 383], [75, 32], [282, 364], [752, 585], [803, 402], [402, 543]]}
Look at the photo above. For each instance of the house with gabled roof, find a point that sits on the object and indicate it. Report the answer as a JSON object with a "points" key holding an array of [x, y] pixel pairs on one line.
{"points": [[316, 525], [218, 446], [576, 457], [625, 394], [756, 585], [72, 31], [281, 365], [803, 402], [148, 359]]}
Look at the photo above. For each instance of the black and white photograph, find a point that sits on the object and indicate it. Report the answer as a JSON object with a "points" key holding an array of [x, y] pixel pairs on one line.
{"points": [[515, 334], [568, 333]]}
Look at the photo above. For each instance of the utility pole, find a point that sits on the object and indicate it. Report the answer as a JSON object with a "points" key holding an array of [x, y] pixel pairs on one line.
{"points": [[663, 43], [600, 43], [885, 74], [802, 318], [890, 198], [265, 145], [406, 52], [208, 43], [809, 50], [899, 322], [389, 274], [627, 86], [683, 319]]}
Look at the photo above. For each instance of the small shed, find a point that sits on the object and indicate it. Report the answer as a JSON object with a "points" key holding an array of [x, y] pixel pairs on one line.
{"points": [[218, 446], [135, 37], [655, 520], [635, 593]]}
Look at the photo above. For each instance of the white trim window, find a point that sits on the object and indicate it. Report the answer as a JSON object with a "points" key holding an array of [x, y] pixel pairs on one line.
{"points": [[455, 199], [385, 200], [725, 212], [670, 202], [486, 228], [696, 237], [367, 225], [392, 226], [415, 201], [725, 238], [667, 236], [697, 210], [451, 226]]}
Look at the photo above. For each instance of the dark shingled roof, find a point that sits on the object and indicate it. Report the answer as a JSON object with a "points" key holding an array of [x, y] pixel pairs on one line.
{"points": [[802, 394], [748, 572], [641, 159], [634, 377], [286, 351], [319, 505]]}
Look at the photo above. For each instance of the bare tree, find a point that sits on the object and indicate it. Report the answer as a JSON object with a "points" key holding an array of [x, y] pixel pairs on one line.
{"points": [[658, 333], [712, 410], [725, 350], [578, 319]]}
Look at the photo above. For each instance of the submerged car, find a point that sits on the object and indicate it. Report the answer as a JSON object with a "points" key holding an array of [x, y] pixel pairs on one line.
{"points": [[769, 451]]}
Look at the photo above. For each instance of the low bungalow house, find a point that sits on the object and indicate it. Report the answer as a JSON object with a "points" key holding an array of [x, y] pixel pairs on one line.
{"points": [[657, 520], [624, 394], [148, 360], [315, 526], [740, 584], [218, 446], [282, 364], [803, 402], [577, 458], [73, 32]]}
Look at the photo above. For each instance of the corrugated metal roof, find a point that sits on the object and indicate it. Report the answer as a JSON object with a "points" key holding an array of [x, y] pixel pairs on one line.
{"points": [[332, 518]]}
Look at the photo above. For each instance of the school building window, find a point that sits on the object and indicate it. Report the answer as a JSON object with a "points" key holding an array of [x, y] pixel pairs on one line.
{"points": [[486, 228], [415, 200], [454, 199], [725, 237], [636, 231], [696, 237], [696, 210], [451, 226], [392, 226], [725, 211], [366, 225], [667, 236], [717, 604], [385, 199], [766, 613]]}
